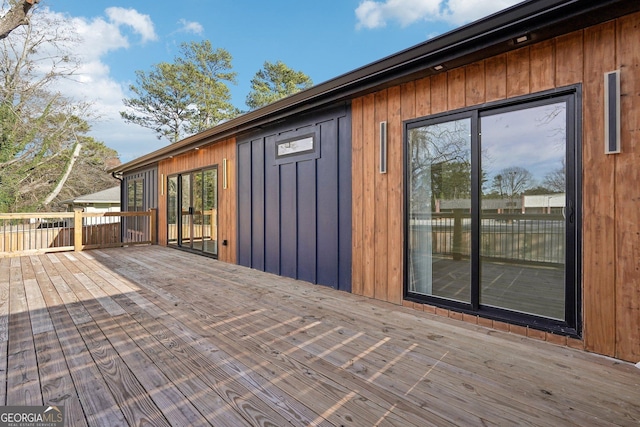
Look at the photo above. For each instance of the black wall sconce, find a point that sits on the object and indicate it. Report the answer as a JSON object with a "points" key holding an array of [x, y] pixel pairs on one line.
{"points": [[612, 112]]}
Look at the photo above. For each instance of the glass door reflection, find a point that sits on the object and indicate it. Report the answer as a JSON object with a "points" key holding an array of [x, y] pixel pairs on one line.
{"points": [[523, 224]]}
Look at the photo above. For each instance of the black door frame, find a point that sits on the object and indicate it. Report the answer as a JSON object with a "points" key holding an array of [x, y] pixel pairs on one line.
{"points": [[191, 209], [572, 326]]}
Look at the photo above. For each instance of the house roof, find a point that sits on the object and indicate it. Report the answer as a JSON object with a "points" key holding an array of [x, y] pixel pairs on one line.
{"points": [[110, 195], [538, 20]]}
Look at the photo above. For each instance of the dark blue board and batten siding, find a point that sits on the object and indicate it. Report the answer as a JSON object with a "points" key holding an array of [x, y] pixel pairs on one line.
{"points": [[294, 214]]}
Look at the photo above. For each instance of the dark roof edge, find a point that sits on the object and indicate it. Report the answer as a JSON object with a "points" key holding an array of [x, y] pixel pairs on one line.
{"points": [[494, 29]]}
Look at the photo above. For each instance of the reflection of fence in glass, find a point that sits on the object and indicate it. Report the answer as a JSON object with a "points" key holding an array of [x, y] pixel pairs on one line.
{"points": [[506, 238], [204, 226]]}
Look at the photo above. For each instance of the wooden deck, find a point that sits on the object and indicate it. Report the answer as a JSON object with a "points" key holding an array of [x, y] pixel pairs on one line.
{"points": [[156, 336]]}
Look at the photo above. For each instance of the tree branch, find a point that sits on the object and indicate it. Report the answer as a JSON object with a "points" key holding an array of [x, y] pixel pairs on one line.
{"points": [[16, 17], [72, 161]]}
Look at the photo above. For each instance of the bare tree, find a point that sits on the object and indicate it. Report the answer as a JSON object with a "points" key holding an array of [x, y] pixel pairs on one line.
{"points": [[513, 181], [557, 180], [16, 16], [42, 132]]}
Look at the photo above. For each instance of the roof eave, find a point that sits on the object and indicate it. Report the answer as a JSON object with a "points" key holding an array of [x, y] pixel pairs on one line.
{"points": [[540, 19]]}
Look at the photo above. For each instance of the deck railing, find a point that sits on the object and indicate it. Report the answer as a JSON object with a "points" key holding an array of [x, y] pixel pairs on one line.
{"points": [[517, 238], [34, 233]]}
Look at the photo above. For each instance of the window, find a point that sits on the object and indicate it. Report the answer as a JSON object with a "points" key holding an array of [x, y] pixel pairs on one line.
{"points": [[439, 208], [192, 210], [135, 195], [492, 201], [296, 148]]}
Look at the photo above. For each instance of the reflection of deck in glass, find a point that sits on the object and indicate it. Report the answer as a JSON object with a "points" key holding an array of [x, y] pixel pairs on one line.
{"points": [[522, 260], [532, 289]]}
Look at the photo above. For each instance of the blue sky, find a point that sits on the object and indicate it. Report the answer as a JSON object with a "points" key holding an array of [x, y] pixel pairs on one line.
{"points": [[324, 39]]}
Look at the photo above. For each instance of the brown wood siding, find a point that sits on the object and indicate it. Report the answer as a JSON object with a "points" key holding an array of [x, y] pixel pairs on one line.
{"points": [[627, 183], [210, 155], [611, 218]]}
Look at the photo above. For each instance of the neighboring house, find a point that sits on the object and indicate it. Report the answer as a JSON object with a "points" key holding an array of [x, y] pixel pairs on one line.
{"points": [[102, 201], [343, 184]]}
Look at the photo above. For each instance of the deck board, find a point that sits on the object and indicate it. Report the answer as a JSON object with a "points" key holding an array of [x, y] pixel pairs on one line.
{"points": [[129, 336]]}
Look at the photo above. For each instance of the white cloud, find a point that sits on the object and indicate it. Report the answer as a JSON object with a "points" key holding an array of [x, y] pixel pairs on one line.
{"points": [[462, 11], [140, 23], [375, 14], [190, 27], [98, 37], [93, 82]]}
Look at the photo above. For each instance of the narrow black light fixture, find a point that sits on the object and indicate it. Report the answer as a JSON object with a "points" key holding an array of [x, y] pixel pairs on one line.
{"points": [[383, 147], [612, 112]]}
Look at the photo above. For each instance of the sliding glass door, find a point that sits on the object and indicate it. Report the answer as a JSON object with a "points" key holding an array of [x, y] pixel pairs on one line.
{"points": [[492, 211], [192, 211], [523, 221], [439, 209]]}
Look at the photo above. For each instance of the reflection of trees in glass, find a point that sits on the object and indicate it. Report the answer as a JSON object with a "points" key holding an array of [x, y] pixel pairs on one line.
{"points": [[210, 196], [512, 181], [197, 198], [134, 195], [440, 157], [556, 181], [553, 119], [172, 190]]}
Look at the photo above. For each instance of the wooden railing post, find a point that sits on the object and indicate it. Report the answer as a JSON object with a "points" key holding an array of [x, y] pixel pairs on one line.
{"points": [[77, 229], [153, 217]]}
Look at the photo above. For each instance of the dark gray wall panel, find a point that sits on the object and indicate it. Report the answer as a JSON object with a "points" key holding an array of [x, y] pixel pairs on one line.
{"points": [[244, 204], [294, 213], [307, 224], [271, 209], [328, 226], [288, 222], [257, 203], [344, 200]]}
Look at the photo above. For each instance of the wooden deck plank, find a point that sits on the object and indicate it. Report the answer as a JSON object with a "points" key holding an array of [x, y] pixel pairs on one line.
{"points": [[127, 387], [275, 366], [286, 331], [5, 273], [148, 355], [498, 398], [58, 388], [517, 376], [98, 405], [233, 381], [267, 351], [176, 336], [151, 333], [22, 372]]}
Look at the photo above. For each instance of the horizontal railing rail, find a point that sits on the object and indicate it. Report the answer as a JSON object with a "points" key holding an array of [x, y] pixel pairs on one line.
{"points": [[34, 233]]}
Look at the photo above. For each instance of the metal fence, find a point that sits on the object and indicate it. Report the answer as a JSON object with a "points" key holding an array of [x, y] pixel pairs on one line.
{"points": [[30, 233], [536, 238]]}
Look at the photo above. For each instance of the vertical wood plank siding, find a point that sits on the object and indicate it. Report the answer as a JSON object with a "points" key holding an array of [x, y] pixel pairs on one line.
{"points": [[207, 156], [611, 218], [627, 184]]}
